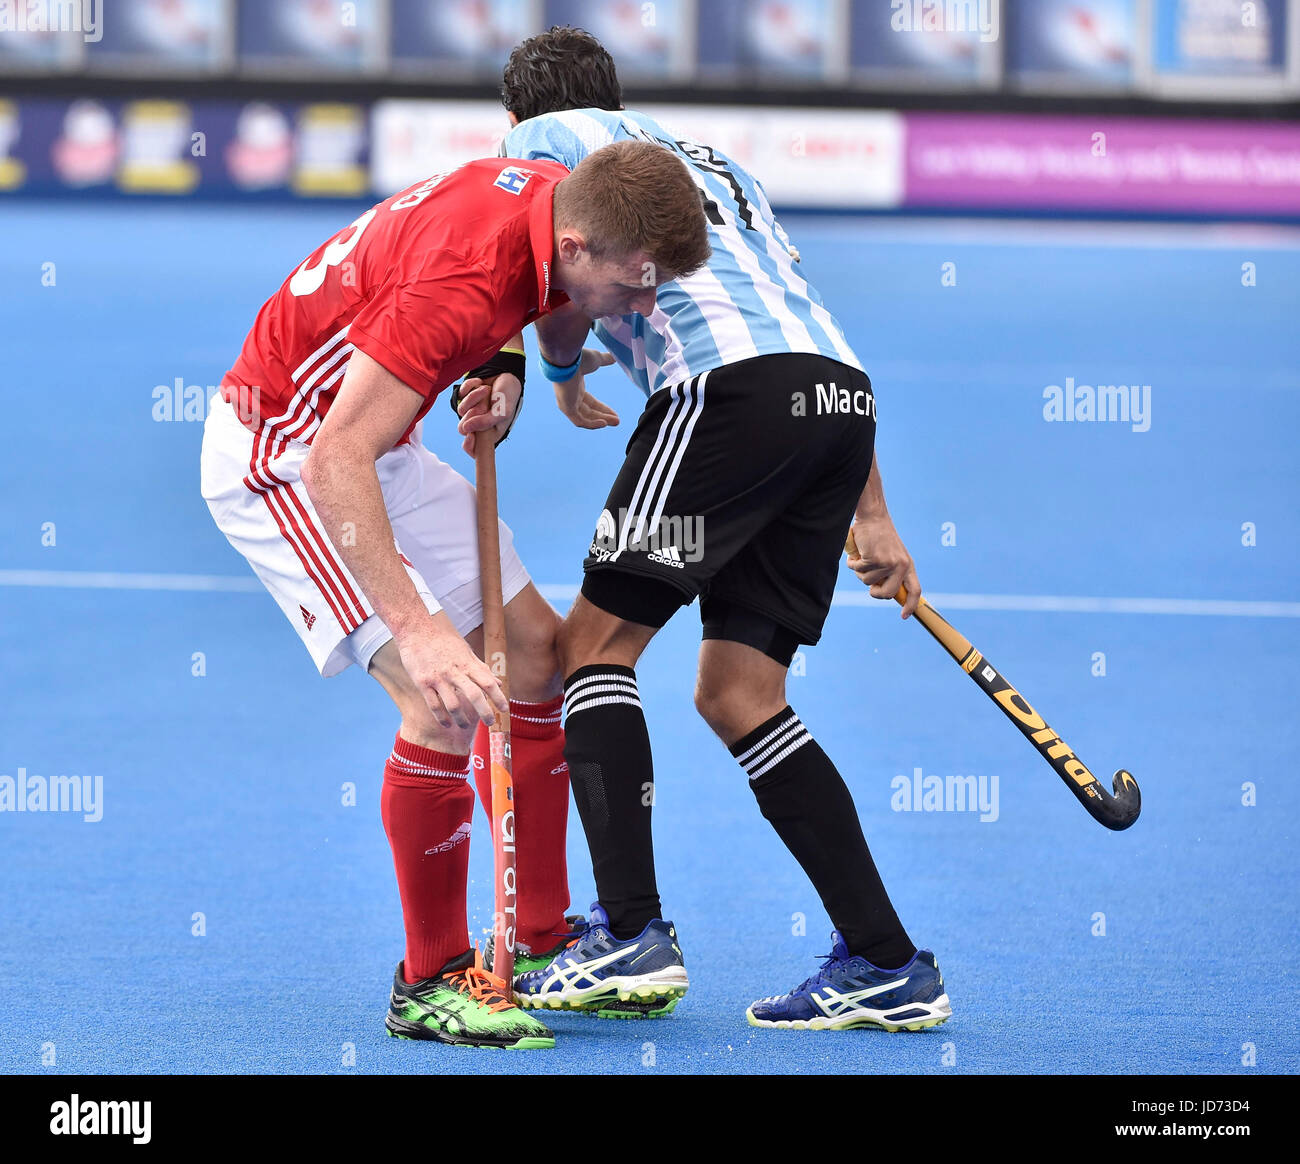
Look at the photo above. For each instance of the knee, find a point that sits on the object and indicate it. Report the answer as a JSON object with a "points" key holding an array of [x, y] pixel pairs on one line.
{"points": [[734, 700], [723, 705], [592, 635], [420, 728], [576, 644], [535, 656], [567, 646], [418, 725]]}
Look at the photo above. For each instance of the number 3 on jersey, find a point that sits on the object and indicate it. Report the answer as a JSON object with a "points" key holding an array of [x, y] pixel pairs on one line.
{"points": [[307, 279]]}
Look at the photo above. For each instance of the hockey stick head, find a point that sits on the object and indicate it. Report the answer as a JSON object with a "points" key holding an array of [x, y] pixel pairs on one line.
{"points": [[1120, 810], [1115, 810]]}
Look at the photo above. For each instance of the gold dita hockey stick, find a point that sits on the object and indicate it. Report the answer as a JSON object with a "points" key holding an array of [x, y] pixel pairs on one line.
{"points": [[1115, 812]]}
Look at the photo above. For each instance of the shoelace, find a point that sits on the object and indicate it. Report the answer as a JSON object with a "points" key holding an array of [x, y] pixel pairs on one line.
{"points": [[816, 979], [482, 986], [575, 936], [571, 935]]}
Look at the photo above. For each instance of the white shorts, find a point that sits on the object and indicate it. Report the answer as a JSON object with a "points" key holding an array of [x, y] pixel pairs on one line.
{"points": [[272, 522]]}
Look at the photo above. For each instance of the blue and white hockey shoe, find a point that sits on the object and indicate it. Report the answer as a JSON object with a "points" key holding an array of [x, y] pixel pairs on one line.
{"points": [[850, 992], [642, 977]]}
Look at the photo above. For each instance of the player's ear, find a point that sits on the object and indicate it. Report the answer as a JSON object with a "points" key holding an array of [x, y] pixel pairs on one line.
{"points": [[570, 246]]}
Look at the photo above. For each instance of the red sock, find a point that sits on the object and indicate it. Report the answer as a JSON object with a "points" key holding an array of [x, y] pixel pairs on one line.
{"points": [[427, 806], [541, 779]]}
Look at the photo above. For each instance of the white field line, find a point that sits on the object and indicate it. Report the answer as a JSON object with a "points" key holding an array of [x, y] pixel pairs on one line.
{"points": [[1062, 232], [110, 580], [1074, 604], [557, 592]]}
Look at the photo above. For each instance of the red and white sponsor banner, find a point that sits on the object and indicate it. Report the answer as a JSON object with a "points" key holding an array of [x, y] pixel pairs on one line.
{"points": [[804, 157], [868, 159], [850, 159], [415, 139]]}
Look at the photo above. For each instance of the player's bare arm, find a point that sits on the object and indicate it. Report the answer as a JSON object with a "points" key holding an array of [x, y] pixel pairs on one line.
{"points": [[372, 410], [560, 336], [883, 562]]}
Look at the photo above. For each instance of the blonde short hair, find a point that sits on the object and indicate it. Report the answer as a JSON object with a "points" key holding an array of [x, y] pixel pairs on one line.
{"points": [[635, 196]]}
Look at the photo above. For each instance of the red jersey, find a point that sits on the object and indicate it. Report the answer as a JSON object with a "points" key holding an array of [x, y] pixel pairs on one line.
{"points": [[430, 283]]}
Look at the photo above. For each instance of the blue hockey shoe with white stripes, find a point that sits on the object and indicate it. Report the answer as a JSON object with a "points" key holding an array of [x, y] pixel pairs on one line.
{"points": [[597, 973], [850, 992]]}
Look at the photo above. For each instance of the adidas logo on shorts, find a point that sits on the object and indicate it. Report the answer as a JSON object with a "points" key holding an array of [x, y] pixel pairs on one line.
{"points": [[668, 556], [307, 616]]}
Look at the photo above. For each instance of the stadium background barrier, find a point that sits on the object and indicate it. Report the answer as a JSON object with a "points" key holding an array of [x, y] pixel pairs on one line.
{"points": [[1091, 107]]}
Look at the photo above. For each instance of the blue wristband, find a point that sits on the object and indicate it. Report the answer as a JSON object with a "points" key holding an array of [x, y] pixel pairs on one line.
{"points": [[556, 374]]}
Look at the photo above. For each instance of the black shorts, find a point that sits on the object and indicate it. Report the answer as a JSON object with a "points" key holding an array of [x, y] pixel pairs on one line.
{"points": [[739, 488]]}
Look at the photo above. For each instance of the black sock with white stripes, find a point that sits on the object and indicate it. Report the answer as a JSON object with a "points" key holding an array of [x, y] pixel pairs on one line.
{"points": [[806, 800], [608, 751]]}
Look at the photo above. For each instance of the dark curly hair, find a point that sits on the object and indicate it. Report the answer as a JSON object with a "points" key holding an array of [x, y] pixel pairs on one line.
{"points": [[562, 68]]}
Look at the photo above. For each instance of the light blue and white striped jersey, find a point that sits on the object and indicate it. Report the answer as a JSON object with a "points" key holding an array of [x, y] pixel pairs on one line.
{"points": [[750, 300]]}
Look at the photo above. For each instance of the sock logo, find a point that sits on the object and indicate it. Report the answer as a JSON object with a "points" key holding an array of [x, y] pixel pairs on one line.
{"points": [[561, 768], [458, 837], [307, 616]]}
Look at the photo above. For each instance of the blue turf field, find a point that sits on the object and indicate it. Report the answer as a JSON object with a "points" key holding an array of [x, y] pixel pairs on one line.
{"points": [[222, 793]]}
